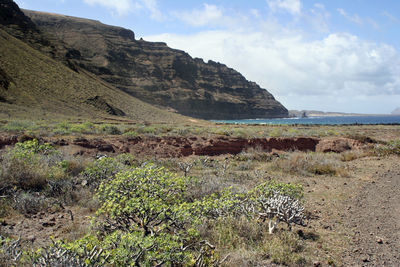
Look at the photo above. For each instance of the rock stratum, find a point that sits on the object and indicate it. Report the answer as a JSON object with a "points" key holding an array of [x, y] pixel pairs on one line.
{"points": [[155, 73]]}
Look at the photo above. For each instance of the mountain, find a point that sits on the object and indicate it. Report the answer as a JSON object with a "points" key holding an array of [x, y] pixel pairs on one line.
{"points": [[34, 83], [396, 111], [157, 74]]}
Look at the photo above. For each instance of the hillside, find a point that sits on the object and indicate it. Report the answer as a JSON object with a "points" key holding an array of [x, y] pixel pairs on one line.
{"points": [[38, 83], [157, 74], [34, 85]]}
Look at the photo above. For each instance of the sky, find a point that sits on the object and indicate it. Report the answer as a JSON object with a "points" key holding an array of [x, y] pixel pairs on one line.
{"points": [[323, 55]]}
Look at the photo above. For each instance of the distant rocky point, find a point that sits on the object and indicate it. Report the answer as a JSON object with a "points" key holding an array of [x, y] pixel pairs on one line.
{"points": [[396, 111], [316, 113]]}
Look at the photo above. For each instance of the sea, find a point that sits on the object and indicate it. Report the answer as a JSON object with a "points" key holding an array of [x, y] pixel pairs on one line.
{"points": [[339, 120]]}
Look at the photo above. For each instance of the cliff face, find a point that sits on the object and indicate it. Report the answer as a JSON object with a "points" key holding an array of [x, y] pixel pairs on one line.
{"points": [[157, 74], [35, 81]]}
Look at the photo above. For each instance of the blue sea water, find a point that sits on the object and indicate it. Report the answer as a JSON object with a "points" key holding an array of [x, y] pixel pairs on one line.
{"points": [[379, 119]]}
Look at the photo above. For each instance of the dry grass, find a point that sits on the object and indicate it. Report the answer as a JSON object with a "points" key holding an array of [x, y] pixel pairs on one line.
{"points": [[311, 164]]}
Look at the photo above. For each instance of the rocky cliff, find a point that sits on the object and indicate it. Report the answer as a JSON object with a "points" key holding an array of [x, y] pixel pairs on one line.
{"points": [[157, 74]]}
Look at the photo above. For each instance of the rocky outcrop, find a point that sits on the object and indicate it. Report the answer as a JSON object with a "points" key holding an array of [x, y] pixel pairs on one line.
{"points": [[157, 74]]}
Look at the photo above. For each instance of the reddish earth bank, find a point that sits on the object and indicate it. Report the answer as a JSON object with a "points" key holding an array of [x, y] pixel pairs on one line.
{"points": [[172, 146]]}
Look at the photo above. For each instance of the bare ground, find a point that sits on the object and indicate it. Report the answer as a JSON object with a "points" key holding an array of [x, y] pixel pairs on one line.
{"points": [[374, 216]]}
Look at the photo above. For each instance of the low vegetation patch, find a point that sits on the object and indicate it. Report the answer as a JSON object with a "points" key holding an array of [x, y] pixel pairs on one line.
{"points": [[312, 164], [388, 148]]}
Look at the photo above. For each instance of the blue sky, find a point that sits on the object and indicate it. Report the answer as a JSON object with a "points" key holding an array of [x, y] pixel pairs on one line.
{"points": [[325, 55]]}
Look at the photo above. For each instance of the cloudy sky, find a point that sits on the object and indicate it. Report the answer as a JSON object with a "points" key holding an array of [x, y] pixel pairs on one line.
{"points": [[325, 55]]}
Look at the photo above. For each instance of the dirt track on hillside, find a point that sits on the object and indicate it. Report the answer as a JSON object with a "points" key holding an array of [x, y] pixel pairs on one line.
{"points": [[374, 217]]}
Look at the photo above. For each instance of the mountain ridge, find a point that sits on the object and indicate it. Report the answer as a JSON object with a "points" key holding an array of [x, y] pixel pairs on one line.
{"points": [[157, 74]]}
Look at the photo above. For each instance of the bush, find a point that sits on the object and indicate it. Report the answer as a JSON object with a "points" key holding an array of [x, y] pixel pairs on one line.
{"points": [[131, 134], [148, 221], [312, 164], [147, 198], [110, 129], [285, 248], [389, 148], [31, 203], [10, 251], [104, 169], [28, 166]]}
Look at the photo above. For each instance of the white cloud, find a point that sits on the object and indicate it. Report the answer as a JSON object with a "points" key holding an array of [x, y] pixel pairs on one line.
{"points": [[122, 7], [205, 16], [318, 18], [391, 17], [353, 18], [291, 6], [152, 6], [328, 73], [214, 16]]}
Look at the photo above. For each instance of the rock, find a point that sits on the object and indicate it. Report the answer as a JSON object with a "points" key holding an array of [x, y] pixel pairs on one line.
{"points": [[317, 264], [31, 238], [366, 259], [106, 148], [379, 240], [48, 224]]}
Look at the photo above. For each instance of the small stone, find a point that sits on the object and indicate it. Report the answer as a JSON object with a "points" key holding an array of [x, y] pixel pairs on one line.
{"points": [[31, 238], [379, 241], [366, 259], [317, 263], [48, 224]]}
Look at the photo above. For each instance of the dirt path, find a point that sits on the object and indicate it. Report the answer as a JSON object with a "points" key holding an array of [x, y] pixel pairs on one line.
{"points": [[374, 217]]}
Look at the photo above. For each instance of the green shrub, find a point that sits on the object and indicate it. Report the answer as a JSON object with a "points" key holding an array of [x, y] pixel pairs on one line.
{"points": [[148, 221], [28, 166], [19, 126], [84, 128], [130, 134], [267, 189], [104, 169], [110, 129], [147, 198], [62, 128], [148, 130]]}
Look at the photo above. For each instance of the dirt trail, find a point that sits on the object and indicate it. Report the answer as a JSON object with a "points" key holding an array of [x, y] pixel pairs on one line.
{"points": [[374, 217]]}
